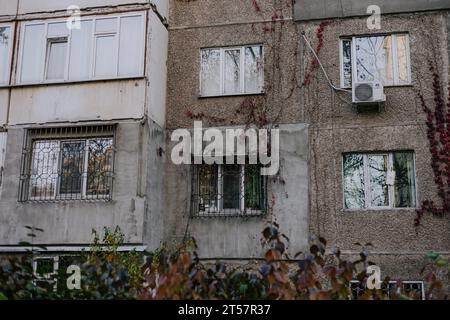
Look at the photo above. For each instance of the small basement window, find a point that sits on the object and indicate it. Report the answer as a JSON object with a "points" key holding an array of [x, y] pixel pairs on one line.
{"points": [[68, 164]]}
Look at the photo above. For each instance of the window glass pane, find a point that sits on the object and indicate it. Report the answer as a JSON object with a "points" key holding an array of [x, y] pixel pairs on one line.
{"points": [[80, 51], [131, 44], [232, 71], [254, 188], [72, 163], [108, 25], [3, 136], [33, 55], [405, 185], [100, 162], [354, 181], [402, 59], [5, 41], [378, 166], [374, 59], [231, 179], [56, 60], [106, 56], [44, 169], [347, 63], [210, 75], [207, 188], [254, 69], [57, 29]]}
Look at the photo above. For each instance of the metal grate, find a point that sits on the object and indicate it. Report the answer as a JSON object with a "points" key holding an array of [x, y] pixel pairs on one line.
{"points": [[228, 190], [71, 163], [410, 288]]}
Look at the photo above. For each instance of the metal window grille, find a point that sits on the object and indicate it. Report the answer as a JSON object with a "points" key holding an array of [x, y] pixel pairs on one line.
{"points": [[228, 190], [411, 288], [71, 163]]}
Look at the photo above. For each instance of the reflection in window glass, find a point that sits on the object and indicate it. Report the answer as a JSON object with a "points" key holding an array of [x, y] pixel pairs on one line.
{"points": [[347, 63], [354, 181], [231, 186], [44, 169], [232, 71], [253, 69], [72, 163], [378, 166], [254, 187], [405, 185], [210, 65], [5, 40], [366, 185], [374, 59], [56, 61], [100, 167], [402, 59], [207, 188]]}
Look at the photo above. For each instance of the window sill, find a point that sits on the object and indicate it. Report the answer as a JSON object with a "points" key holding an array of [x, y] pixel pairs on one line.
{"points": [[385, 87], [232, 95], [232, 214], [369, 210], [61, 83]]}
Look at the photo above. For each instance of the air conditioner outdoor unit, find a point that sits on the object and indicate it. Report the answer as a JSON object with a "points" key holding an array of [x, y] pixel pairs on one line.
{"points": [[368, 95]]}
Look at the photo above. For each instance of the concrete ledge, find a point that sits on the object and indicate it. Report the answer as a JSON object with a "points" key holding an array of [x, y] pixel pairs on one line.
{"points": [[325, 9]]}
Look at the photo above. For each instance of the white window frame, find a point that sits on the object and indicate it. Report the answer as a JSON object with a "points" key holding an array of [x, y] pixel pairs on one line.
{"points": [[241, 71], [367, 193], [10, 54], [83, 195], [394, 54], [94, 36], [50, 41]]}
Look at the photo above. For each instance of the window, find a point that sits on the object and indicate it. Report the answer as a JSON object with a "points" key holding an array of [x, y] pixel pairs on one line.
{"points": [[385, 180], [230, 71], [224, 190], [376, 58], [413, 289], [68, 164], [6, 42], [3, 136], [102, 48]]}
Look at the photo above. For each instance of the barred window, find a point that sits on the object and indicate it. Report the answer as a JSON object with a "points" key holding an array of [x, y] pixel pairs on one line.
{"points": [[68, 164], [228, 190]]}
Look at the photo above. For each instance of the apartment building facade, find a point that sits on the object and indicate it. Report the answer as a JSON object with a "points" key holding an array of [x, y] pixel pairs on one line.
{"points": [[367, 171], [82, 104], [88, 140]]}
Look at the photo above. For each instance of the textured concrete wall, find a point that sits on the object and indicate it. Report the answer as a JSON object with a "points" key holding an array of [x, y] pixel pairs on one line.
{"points": [[336, 128], [237, 237], [199, 24], [71, 222], [325, 9]]}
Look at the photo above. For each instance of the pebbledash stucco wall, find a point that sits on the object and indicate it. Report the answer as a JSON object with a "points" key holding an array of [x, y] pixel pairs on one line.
{"points": [[334, 126], [398, 247]]}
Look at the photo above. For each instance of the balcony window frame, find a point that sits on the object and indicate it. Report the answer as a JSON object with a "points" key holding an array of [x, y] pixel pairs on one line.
{"points": [[92, 51], [9, 59]]}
